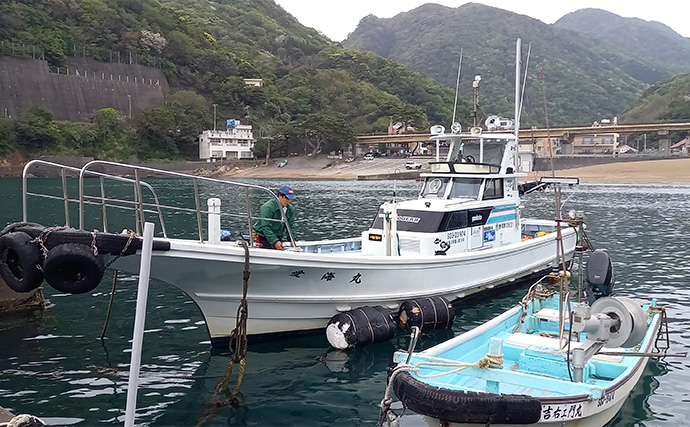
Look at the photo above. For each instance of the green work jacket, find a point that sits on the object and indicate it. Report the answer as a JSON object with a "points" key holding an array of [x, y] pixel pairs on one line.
{"points": [[275, 231]]}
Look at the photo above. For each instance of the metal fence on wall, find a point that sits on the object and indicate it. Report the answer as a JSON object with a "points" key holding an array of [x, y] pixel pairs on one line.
{"points": [[23, 50], [66, 71]]}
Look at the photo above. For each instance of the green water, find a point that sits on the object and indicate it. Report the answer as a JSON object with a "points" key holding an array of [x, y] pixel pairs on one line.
{"points": [[55, 366]]}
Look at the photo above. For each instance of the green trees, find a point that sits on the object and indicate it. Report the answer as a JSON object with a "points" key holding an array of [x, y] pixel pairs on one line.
{"points": [[326, 132], [315, 96], [35, 130]]}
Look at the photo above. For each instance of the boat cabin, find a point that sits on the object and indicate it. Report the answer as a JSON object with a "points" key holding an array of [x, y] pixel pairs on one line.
{"points": [[468, 202]]}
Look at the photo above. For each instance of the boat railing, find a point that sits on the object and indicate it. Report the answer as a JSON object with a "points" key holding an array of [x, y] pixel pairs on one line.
{"points": [[143, 200]]}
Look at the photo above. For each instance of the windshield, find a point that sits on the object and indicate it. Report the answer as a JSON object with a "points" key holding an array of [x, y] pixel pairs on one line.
{"points": [[435, 187], [465, 188], [468, 150]]}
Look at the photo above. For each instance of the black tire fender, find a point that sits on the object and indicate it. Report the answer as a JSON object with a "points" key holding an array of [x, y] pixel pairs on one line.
{"points": [[20, 262], [73, 268], [465, 407]]}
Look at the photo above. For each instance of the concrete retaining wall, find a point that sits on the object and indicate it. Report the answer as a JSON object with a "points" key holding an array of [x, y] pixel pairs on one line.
{"points": [[77, 92], [542, 164]]}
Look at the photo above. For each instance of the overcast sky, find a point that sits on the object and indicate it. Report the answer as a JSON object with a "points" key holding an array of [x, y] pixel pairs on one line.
{"points": [[337, 18]]}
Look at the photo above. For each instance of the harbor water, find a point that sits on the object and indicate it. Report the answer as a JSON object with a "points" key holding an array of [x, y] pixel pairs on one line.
{"points": [[54, 365]]}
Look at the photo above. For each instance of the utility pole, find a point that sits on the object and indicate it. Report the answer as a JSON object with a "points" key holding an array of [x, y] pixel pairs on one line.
{"points": [[214, 116], [129, 100]]}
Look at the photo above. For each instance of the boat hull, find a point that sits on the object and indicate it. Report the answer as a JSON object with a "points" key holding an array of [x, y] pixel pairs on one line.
{"points": [[534, 367], [291, 291]]}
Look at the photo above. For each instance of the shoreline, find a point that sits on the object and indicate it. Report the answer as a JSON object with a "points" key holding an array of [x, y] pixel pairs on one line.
{"points": [[662, 171]]}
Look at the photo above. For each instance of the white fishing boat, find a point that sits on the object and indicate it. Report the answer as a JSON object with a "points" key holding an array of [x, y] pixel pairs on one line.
{"points": [[464, 234], [558, 358]]}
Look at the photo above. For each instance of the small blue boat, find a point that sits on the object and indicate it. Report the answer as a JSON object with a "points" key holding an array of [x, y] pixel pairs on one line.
{"points": [[550, 360]]}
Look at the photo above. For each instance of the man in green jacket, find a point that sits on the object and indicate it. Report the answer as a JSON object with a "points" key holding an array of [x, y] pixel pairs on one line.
{"points": [[270, 234]]}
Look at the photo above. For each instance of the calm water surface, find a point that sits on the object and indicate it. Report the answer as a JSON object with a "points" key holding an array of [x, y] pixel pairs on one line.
{"points": [[55, 366]]}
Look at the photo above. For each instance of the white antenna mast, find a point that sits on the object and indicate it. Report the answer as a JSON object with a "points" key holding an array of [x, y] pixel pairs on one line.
{"points": [[524, 81], [457, 86], [518, 60]]}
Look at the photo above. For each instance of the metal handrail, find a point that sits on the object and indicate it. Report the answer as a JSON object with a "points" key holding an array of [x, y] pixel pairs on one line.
{"points": [[65, 197], [139, 205]]}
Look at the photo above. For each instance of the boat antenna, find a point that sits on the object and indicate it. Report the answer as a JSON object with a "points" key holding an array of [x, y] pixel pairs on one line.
{"points": [[518, 60], [524, 82], [457, 87]]}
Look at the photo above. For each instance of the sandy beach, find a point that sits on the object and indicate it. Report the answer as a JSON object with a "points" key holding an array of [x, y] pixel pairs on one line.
{"points": [[673, 170]]}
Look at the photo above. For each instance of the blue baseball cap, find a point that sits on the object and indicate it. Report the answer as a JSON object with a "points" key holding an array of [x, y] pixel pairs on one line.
{"points": [[288, 191]]}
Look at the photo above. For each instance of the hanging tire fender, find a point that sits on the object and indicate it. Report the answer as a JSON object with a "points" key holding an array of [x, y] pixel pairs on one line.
{"points": [[20, 262], [73, 268]]}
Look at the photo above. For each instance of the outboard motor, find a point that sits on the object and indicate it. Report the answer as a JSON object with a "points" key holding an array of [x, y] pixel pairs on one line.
{"points": [[599, 276]]}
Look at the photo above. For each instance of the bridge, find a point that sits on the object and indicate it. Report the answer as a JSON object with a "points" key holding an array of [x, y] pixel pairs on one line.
{"points": [[661, 128]]}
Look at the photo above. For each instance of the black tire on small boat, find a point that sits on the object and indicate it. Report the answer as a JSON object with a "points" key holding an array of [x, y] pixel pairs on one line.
{"points": [[465, 407], [73, 268], [426, 313], [20, 262]]}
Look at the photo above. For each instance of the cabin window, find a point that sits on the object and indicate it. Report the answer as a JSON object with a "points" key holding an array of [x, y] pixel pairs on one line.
{"points": [[493, 189], [435, 187], [455, 220], [465, 188]]}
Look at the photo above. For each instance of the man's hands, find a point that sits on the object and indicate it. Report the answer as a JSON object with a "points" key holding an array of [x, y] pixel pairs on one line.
{"points": [[278, 245]]}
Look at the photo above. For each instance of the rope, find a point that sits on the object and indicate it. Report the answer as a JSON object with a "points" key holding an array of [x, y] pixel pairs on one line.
{"points": [[532, 293], [42, 238], [238, 342], [663, 331], [115, 258], [387, 416], [110, 304], [132, 235], [11, 227]]}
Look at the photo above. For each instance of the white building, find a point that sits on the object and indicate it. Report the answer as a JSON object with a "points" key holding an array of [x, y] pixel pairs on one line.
{"points": [[254, 82], [234, 143]]}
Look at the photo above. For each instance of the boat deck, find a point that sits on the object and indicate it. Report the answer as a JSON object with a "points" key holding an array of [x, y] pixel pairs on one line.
{"points": [[534, 362]]}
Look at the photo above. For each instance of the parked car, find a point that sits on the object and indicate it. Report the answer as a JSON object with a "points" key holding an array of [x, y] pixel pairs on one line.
{"points": [[413, 165], [369, 156]]}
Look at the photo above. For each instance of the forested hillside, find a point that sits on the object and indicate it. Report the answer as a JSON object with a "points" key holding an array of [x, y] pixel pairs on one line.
{"points": [[586, 78], [653, 42], [667, 101], [314, 91]]}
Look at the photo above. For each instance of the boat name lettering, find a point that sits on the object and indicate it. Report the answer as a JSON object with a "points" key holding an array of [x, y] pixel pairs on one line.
{"points": [[328, 276], [476, 218], [608, 397], [357, 278], [375, 237], [297, 273], [561, 412], [412, 219]]}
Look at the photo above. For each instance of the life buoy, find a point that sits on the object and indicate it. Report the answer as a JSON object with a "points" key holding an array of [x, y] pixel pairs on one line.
{"points": [[20, 262], [73, 268], [460, 406]]}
